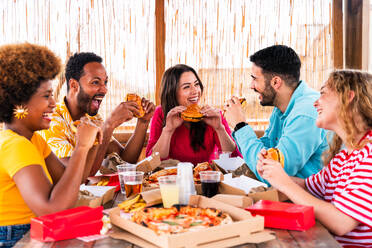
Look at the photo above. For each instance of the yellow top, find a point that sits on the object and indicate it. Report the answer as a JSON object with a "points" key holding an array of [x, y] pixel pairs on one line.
{"points": [[61, 136], [17, 152]]}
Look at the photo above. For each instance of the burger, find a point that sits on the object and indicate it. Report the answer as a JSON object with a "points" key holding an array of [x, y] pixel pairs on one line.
{"points": [[131, 97], [275, 154], [192, 113]]}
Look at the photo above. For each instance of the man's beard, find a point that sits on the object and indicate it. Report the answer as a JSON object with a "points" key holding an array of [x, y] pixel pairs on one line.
{"points": [[268, 95], [84, 102]]}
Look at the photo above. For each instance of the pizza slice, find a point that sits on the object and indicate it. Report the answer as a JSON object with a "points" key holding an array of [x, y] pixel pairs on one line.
{"points": [[201, 167], [153, 178]]}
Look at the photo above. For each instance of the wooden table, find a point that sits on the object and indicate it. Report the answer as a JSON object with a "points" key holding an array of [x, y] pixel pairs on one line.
{"points": [[317, 236]]}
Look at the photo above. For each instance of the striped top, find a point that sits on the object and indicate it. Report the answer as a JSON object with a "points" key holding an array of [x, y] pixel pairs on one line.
{"points": [[347, 183]]}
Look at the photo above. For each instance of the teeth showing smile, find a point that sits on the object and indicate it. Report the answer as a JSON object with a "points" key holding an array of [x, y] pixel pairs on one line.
{"points": [[98, 98], [47, 116], [195, 99]]}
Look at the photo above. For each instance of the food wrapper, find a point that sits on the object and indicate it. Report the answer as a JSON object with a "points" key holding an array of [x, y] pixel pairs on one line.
{"points": [[284, 215], [110, 162], [245, 171], [67, 224], [150, 163]]}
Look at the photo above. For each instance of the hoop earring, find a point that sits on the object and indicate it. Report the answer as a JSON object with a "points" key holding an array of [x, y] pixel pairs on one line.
{"points": [[20, 111]]}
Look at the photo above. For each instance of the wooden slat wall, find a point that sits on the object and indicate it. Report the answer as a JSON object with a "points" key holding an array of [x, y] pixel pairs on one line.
{"points": [[215, 37]]}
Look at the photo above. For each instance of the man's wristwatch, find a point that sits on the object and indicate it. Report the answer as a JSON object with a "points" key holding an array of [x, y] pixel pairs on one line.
{"points": [[240, 125]]}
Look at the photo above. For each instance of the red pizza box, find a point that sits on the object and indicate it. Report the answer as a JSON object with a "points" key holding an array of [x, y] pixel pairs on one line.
{"points": [[67, 224], [284, 215]]}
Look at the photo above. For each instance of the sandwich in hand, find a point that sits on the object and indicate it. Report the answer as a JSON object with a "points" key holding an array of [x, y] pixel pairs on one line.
{"points": [[135, 98], [275, 154], [192, 113]]}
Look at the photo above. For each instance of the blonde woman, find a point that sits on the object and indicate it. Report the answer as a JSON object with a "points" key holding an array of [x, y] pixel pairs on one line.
{"points": [[341, 192]]}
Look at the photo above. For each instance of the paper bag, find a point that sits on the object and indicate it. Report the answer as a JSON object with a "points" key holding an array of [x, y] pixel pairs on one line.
{"points": [[150, 163]]}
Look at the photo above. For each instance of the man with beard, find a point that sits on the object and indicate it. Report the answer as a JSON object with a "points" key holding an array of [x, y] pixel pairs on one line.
{"points": [[292, 130], [86, 87]]}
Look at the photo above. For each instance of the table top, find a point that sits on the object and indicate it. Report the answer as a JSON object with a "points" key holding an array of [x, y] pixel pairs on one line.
{"points": [[317, 236]]}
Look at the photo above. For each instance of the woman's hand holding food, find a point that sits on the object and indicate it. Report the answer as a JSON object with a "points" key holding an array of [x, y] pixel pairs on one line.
{"points": [[88, 133], [212, 117], [272, 171], [173, 118]]}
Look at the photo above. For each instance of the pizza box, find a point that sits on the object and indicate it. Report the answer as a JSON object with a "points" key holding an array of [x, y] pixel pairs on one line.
{"points": [[100, 195], [245, 229], [270, 194], [239, 201], [284, 215]]}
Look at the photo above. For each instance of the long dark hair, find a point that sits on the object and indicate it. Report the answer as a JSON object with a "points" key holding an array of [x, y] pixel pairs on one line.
{"points": [[169, 86]]}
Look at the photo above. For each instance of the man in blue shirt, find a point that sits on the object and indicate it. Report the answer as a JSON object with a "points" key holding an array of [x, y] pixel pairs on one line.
{"points": [[275, 77]]}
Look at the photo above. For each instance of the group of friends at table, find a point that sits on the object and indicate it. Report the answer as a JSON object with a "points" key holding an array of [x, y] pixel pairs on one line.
{"points": [[44, 159]]}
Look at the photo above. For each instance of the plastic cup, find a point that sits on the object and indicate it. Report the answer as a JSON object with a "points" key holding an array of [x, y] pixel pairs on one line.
{"points": [[209, 182], [132, 182], [122, 168], [169, 190], [185, 182]]}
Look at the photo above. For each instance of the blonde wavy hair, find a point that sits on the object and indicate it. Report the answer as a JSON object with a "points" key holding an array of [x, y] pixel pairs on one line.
{"points": [[343, 82]]}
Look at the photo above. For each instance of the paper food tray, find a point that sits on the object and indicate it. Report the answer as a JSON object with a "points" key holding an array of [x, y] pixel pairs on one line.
{"points": [[245, 228]]}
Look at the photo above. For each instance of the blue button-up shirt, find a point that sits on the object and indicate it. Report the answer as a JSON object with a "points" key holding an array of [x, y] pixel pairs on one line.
{"points": [[293, 132]]}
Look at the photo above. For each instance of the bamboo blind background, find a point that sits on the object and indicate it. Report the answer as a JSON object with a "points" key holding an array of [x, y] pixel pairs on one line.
{"points": [[221, 35], [216, 37]]}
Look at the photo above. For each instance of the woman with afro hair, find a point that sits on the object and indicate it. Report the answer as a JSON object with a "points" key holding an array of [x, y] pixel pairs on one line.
{"points": [[33, 181]]}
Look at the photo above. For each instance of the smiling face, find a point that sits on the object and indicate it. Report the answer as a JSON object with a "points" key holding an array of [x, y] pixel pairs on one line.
{"points": [[40, 107], [189, 89], [262, 86], [93, 88], [327, 107]]}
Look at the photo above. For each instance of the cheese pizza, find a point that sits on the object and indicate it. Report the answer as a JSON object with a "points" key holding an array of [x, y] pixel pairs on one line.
{"points": [[172, 220]]}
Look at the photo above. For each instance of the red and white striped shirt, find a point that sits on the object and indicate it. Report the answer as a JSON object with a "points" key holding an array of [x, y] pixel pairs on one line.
{"points": [[347, 183]]}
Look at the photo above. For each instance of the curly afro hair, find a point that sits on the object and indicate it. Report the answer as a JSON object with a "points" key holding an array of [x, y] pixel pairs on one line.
{"points": [[75, 65], [22, 69], [281, 60]]}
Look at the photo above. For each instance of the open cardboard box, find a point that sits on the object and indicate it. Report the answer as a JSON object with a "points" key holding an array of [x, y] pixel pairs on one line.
{"points": [[271, 193], [239, 201], [101, 195], [245, 229]]}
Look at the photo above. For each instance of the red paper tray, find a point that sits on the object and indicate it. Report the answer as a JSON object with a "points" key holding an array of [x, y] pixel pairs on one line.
{"points": [[113, 180], [284, 215], [67, 224]]}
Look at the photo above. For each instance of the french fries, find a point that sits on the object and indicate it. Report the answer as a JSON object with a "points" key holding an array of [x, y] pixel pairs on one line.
{"points": [[103, 182], [132, 205]]}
